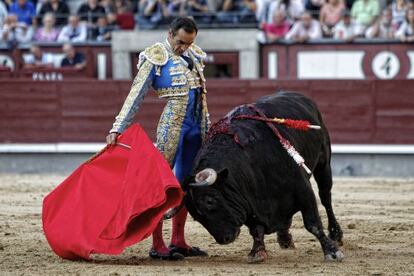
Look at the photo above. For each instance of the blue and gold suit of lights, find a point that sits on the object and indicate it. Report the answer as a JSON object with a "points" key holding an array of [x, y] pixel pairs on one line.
{"points": [[185, 119]]}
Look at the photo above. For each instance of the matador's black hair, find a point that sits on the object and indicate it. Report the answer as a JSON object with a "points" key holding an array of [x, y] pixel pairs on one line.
{"points": [[185, 23]]}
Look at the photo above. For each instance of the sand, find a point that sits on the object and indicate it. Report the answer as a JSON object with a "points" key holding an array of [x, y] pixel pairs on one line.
{"points": [[377, 217]]}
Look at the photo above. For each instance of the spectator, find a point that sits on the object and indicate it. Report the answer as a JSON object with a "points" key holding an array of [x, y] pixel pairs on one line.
{"points": [[111, 19], [398, 8], [345, 29], [305, 29], [123, 6], [72, 58], [292, 8], [14, 32], [74, 31], [246, 10], [102, 31], [262, 9], [60, 10], [225, 11], [314, 7], [90, 12], [198, 9], [278, 28], [47, 33], [383, 28], [406, 31], [330, 15], [364, 13], [124, 15], [3, 13], [108, 6], [38, 59], [24, 10], [152, 13]]}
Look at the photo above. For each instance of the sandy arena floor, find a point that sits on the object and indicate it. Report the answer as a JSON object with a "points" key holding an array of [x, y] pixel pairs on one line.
{"points": [[377, 217]]}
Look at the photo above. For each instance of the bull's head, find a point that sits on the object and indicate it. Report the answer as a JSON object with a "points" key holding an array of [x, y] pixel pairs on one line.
{"points": [[207, 203]]}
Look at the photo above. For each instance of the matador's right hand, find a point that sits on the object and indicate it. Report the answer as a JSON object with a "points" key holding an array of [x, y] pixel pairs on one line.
{"points": [[111, 138]]}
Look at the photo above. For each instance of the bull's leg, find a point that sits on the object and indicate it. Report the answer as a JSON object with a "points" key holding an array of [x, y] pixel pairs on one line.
{"points": [[323, 176], [313, 222], [258, 253], [284, 238]]}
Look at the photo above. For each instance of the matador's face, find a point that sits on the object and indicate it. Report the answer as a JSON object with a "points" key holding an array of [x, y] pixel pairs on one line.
{"points": [[181, 40]]}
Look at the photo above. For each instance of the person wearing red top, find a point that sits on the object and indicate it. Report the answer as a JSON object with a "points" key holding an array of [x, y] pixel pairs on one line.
{"points": [[278, 28]]}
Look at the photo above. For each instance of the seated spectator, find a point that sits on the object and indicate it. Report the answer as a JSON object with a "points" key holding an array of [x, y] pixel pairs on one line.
{"points": [[292, 8], [398, 8], [406, 31], [235, 11], [246, 10], [102, 32], [305, 29], [14, 32], [383, 28], [152, 13], [3, 13], [108, 6], [262, 8], [72, 58], [59, 9], [38, 58], [345, 29], [47, 33], [111, 19], [330, 15], [124, 16], [314, 7], [364, 13], [74, 31], [124, 5], [24, 10], [90, 11], [278, 28], [198, 9]]}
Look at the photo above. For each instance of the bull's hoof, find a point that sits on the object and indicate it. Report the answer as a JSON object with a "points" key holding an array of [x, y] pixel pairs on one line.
{"points": [[285, 241], [335, 256], [257, 257], [286, 244]]}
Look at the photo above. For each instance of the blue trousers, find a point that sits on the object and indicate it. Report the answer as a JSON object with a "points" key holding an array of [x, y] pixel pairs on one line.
{"points": [[190, 137]]}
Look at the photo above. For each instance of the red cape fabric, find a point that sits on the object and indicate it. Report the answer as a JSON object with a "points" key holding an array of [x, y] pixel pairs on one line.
{"points": [[112, 201]]}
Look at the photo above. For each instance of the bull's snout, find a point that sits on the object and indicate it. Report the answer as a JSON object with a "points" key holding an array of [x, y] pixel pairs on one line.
{"points": [[229, 237]]}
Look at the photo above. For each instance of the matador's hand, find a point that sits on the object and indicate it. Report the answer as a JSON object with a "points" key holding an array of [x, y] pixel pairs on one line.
{"points": [[111, 138]]}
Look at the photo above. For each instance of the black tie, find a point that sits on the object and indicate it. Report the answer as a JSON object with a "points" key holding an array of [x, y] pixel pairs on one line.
{"points": [[189, 62]]}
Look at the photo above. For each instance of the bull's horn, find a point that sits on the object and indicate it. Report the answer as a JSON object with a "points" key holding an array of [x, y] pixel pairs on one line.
{"points": [[200, 184], [204, 178]]}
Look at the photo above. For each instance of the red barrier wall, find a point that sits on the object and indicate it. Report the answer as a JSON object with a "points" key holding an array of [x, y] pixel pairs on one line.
{"points": [[369, 112]]}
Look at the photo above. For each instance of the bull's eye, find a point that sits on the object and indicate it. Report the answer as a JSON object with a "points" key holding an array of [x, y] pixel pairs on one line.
{"points": [[209, 203]]}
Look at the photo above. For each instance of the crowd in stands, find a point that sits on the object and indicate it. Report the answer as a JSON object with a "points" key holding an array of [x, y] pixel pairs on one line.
{"points": [[44, 21], [300, 21]]}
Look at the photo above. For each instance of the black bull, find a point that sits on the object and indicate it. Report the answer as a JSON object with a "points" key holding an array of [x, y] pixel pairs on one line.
{"points": [[259, 185]]}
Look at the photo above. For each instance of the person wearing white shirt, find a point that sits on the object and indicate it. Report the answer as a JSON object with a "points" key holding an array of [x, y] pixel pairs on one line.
{"points": [[38, 58], [14, 32], [406, 31], [74, 31], [345, 29], [304, 30], [292, 8]]}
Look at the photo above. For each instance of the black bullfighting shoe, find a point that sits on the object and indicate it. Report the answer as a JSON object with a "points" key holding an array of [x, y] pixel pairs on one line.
{"points": [[190, 252], [171, 256]]}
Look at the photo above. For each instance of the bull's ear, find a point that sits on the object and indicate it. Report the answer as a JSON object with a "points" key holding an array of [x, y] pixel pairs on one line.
{"points": [[222, 175]]}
